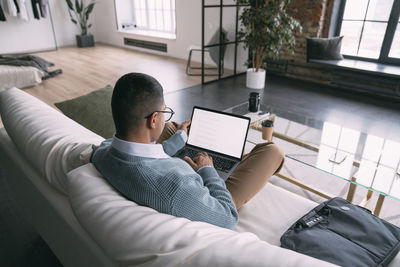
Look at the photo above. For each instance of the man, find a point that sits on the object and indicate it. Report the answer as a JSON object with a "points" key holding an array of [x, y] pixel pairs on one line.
{"points": [[138, 160]]}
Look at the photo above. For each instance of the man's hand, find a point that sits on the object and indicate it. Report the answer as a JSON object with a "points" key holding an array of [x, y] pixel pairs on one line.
{"points": [[184, 126], [202, 159]]}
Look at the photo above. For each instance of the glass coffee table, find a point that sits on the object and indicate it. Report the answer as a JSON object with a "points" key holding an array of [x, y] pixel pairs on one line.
{"points": [[362, 159]]}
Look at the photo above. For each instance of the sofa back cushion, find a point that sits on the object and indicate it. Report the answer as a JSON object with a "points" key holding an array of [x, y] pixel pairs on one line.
{"points": [[51, 142]]}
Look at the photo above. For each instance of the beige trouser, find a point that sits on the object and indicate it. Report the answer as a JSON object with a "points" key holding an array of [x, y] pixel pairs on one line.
{"points": [[253, 172]]}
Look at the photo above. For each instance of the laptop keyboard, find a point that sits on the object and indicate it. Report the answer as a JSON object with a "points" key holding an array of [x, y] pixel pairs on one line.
{"points": [[221, 164]]}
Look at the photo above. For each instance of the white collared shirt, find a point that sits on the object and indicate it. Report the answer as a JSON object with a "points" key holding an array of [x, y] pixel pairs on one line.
{"points": [[151, 150]]}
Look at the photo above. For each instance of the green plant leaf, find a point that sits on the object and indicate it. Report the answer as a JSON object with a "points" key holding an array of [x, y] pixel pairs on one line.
{"points": [[78, 5], [83, 29], [89, 8], [267, 29], [90, 25], [74, 21], [70, 5]]}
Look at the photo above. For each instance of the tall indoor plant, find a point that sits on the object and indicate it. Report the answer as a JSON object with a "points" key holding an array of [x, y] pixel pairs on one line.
{"points": [[267, 29], [79, 14]]}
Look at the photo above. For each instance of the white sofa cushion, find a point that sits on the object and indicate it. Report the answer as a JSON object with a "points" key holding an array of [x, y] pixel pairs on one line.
{"points": [[135, 235], [271, 212], [52, 143]]}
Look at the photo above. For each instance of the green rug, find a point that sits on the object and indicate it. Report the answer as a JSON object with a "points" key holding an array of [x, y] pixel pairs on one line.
{"points": [[93, 111]]}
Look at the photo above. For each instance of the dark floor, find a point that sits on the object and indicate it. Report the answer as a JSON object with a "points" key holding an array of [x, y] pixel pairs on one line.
{"points": [[21, 246], [366, 113]]}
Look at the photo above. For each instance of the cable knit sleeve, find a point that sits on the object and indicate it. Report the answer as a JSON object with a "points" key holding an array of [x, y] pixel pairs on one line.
{"points": [[207, 201], [175, 142]]}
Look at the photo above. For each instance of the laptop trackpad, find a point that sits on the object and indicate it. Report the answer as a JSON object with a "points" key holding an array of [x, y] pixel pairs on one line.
{"points": [[225, 175]]}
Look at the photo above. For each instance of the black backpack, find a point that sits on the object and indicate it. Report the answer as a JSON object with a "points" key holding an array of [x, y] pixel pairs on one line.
{"points": [[339, 232]]}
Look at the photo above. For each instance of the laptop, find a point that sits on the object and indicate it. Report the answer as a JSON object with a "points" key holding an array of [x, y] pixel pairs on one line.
{"points": [[222, 135]]}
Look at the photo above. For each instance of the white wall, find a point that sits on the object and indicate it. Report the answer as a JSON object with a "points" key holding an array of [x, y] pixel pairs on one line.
{"points": [[18, 36], [188, 29], [36, 35]]}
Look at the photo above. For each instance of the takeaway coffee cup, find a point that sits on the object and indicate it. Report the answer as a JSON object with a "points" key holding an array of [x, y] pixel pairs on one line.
{"points": [[254, 102], [267, 129]]}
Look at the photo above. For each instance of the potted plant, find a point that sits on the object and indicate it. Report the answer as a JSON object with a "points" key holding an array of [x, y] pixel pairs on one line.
{"points": [[267, 29], [79, 14]]}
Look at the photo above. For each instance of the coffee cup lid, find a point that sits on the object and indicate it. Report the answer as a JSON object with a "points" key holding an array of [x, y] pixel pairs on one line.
{"points": [[267, 123]]}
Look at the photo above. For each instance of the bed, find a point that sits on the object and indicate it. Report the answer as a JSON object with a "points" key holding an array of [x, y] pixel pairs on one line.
{"points": [[19, 76]]}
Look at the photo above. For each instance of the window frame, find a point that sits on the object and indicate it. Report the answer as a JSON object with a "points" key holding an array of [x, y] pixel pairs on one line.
{"points": [[393, 21]]}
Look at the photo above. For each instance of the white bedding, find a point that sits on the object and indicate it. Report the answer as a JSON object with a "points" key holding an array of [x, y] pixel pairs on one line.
{"points": [[20, 77]]}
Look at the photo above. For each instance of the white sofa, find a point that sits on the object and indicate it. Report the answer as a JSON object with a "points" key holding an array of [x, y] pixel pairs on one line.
{"points": [[85, 222]]}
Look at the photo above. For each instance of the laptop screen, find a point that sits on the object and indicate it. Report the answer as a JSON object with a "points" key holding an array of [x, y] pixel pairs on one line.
{"points": [[218, 132]]}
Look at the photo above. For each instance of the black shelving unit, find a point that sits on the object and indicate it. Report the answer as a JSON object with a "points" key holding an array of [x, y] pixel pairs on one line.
{"points": [[221, 42]]}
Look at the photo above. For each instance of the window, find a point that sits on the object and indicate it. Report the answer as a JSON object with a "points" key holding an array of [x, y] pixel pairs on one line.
{"points": [[371, 29], [155, 15], [395, 49], [148, 17]]}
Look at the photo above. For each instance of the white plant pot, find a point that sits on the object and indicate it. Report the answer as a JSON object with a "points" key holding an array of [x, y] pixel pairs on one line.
{"points": [[255, 80]]}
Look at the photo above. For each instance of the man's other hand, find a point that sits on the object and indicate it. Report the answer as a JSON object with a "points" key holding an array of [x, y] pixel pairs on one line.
{"points": [[184, 126], [202, 159]]}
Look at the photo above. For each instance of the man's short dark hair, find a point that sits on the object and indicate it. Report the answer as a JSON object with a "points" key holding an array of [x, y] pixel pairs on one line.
{"points": [[135, 96]]}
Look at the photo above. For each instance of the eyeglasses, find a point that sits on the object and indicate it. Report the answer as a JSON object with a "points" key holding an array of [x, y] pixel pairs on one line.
{"points": [[168, 111]]}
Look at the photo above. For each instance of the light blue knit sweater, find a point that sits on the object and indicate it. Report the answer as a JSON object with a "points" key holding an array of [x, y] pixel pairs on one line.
{"points": [[168, 185]]}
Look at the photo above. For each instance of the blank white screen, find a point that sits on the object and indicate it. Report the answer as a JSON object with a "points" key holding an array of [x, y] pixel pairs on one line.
{"points": [[218, 132]]}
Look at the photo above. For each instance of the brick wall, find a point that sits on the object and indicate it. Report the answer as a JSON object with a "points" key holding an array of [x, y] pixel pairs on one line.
{"points": [[311, 14], [314, 16]]}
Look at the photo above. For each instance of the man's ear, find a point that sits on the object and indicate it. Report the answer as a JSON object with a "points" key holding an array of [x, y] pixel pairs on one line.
{"points": [[153, 119]]}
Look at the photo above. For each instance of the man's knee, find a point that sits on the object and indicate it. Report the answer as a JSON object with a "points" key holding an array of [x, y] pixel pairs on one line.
{"points": [[272, 153], [170, 129], [269, 148]]}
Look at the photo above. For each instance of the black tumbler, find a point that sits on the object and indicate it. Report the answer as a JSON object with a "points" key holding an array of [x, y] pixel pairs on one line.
{"points": [[254, 102]]}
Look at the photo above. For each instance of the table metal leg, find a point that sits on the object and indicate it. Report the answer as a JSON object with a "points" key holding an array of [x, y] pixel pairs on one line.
{"points": [[379, 204], [352, 190]]}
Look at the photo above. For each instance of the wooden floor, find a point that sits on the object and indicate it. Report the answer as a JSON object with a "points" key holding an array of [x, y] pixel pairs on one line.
{"points": [[88, 69]]}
